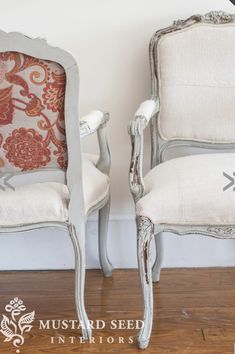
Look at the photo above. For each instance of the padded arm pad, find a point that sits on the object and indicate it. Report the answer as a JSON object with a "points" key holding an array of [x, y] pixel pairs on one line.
{"points": [[147, 109], [92, 121], [145, 112]]}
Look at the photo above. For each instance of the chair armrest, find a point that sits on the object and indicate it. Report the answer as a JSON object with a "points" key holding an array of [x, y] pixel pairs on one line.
{"points": [[90, 123], [96, 121], [147, 110]]}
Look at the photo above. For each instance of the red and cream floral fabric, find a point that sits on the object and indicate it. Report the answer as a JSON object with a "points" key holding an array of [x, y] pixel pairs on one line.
{"points": [[32, 131]]}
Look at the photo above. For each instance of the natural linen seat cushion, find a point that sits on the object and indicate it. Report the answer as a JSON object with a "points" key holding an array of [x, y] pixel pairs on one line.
{"points": [[189, 190], [49, 201]]}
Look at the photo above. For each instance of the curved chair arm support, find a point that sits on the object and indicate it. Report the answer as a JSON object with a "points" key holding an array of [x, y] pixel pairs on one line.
{"points": [[147, 110], [96, 121]]}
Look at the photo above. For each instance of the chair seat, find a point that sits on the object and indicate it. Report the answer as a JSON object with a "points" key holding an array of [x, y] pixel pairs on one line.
{"points": [[41, 202], [189, 190]]}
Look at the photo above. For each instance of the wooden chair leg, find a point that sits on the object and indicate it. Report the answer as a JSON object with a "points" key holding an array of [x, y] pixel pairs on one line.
{"points": [[144, 235], [80, 271], [156, 270], [103, 236]]}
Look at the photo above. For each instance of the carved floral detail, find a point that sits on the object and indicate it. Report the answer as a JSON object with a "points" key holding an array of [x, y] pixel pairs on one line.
{"points": [[218, 17], [144, 226], [178, 23], [144, 234], [225, 231], [137, 125]]}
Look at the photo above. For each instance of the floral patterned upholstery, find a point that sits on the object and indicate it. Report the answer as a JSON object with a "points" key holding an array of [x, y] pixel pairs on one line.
{"points": [[32, 131]]}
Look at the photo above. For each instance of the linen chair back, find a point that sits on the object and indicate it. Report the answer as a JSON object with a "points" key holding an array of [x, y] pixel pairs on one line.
{"points": [[192, 64]]}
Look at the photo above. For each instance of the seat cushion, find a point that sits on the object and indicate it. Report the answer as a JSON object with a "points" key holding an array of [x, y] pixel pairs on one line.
{"points": [[49, 201], [189, 190]]}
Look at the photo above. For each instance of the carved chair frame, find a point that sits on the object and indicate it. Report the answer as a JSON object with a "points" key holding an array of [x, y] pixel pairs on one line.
{"points": [[145, 228], [72, 177]]}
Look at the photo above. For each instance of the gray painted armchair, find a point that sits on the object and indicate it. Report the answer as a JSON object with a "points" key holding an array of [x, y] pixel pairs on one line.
{"points": [[45, 181], [192, 105]]}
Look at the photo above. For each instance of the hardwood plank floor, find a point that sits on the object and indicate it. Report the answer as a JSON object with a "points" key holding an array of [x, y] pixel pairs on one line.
{"points": [[194, 311]]}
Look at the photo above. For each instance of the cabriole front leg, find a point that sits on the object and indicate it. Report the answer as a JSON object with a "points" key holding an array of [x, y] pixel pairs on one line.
{"points": [[144, 235], [103, 236], [80, 270]]}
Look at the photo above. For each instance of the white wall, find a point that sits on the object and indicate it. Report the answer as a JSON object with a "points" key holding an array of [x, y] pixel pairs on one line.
{"points": [[109, 38]]}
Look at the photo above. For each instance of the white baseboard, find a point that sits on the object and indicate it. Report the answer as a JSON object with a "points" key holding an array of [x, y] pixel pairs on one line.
{"points": [[53, 249]]}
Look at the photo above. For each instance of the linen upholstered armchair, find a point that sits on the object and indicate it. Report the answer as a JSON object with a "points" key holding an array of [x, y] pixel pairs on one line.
{"points": [[192, 105], [45, 181]]}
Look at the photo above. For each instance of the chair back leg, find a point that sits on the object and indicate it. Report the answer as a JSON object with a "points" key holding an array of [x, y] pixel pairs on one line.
{"points": [[156, 270], [102, 239]]}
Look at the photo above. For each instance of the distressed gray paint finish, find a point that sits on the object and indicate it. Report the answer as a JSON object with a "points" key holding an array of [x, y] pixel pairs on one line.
{"points": [[158, 148], [73, 177], [144, 235]]}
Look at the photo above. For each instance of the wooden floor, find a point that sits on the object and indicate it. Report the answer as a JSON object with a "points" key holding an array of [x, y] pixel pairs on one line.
{"points": [[194, 310]]}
